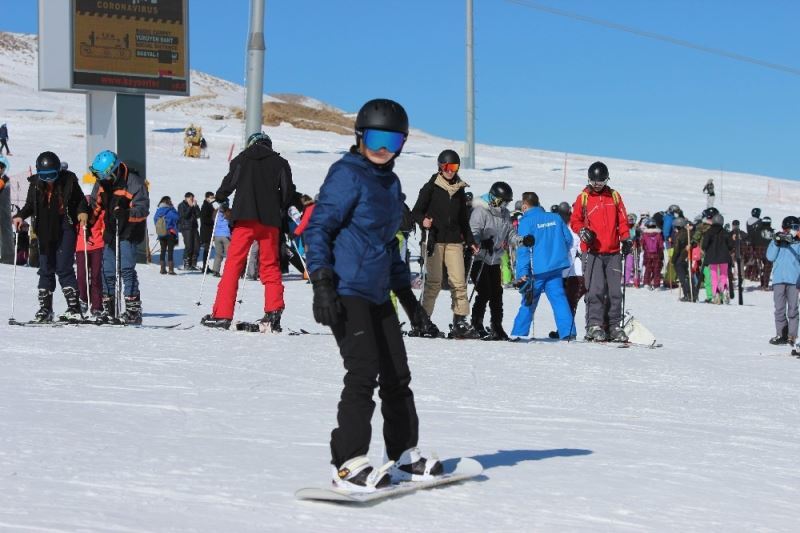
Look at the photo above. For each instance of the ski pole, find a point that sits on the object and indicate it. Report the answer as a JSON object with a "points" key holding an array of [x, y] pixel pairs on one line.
{"points": [[246, 268], [477, 280], [205, 263], [624, 285], [14, 275], [423, 254], [118, 277], [86, 264], [689, 261]]}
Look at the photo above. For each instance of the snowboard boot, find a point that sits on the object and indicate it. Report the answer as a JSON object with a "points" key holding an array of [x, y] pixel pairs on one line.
{"points": [[211, 321], [109, 313], [460, 329], [477, 325], [411, 466], [45, 312], [716, 300], [496, 333], [163, 267], [595, 334], [73, 312], [778, 339], [617, 334], [271, 322], [357, 475], [133, 310], [171, 266]]}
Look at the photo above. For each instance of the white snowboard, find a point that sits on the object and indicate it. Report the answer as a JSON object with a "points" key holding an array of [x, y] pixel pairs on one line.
{"points": [[638, 335], [462, 469]]}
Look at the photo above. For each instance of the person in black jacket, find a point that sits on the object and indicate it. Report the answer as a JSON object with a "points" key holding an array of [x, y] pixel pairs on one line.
{"points": [[188, 213], [207, 217], [263, 182], [57, 204], [441, 210], [717, 246]]}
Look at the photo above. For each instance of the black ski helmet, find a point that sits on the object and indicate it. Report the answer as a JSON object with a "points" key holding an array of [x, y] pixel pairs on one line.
{"points": [[755, 212], [710, 212], [598, 171], [382, 114], [790, 221], [449, 156], [564, 208], [501, 191], [469, 196], [679, 222], [48, 165], [735, 223], [554, 208], [767, 220], [718, 219]]}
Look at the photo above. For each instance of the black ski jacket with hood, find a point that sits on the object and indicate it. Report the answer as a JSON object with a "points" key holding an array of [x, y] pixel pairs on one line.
{"points": [[446, 204], [263, 183]]}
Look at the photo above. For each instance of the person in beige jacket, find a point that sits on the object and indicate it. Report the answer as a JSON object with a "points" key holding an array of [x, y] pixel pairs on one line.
{"points": [[441, 211]]}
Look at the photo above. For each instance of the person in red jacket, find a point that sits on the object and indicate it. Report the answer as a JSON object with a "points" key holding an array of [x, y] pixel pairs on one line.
{"points": [[600, 220], [89, 253]]}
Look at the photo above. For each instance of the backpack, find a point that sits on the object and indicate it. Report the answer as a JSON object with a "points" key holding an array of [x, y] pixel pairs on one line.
{"points": [[585, 200], [650, 242], [161, 226]]}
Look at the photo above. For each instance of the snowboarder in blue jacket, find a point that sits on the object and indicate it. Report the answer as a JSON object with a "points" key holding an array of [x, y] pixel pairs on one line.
{"points": [[544, 254], [353, 261]]}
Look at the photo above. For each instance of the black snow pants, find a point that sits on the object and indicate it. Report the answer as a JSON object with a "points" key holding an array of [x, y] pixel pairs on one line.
{"points": [[489, 289], [371, 345]]}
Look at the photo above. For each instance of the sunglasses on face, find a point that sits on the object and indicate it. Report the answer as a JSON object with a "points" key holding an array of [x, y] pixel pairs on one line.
{"points": [[449, 167], [392, 141]]}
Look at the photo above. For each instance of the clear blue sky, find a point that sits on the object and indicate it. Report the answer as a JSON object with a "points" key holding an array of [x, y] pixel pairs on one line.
{"points": [[542, 81]]}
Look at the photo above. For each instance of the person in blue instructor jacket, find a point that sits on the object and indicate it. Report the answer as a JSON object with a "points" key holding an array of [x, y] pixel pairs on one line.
{"points": [[550, 240]]}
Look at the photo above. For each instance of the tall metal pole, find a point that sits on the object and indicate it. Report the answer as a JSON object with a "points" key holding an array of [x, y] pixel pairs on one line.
{"points": [[469, 149], [255, 69]]}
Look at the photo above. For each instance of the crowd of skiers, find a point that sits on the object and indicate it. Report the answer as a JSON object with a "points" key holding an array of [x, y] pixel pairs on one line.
{"points": [[354, 236]]}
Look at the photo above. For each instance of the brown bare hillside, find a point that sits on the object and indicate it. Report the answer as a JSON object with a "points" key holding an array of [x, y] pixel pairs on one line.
{"points": [[307, 118]]}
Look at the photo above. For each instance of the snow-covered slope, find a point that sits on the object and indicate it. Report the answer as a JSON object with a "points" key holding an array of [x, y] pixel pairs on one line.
{"points": [[199, 430]]}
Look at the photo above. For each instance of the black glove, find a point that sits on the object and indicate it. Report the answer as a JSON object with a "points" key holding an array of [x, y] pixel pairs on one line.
{"points": [[121, 214], [627, 247], [416, 314], [586, 235], [487, 244], [782, 238], [326, 305], [528, 240]]}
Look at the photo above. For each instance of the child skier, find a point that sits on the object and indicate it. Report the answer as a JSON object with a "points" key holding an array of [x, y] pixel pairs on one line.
{"points": [[652, 244], [490, 222], [784, 254], [353, 263], [56, 203], [717, 245]]}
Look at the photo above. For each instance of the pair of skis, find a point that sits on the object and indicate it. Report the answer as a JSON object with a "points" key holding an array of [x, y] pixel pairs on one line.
{"points": [[60, 324]]}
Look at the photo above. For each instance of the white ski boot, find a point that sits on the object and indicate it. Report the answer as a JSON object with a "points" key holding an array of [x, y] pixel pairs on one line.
{"points": [[411, 466], [357, 475]]}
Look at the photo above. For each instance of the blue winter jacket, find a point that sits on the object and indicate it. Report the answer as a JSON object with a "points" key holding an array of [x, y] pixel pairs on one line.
{"points": [[171, 216], [352, 230], [785, 262], [223, 228], [552, 242], [666, 229]]}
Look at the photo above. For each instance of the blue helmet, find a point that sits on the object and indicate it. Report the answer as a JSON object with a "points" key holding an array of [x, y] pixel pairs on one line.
{"points": [[5, 164], [105, 164], [259, 137], [48, 165]]}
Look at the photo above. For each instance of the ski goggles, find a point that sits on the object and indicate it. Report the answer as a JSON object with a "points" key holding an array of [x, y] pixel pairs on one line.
{"points": [[449, 167], [48, 175], [794, 227], [390, 140]]}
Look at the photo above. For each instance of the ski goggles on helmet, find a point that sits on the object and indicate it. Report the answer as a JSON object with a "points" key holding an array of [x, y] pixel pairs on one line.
{"points": [[48, 175], [390, 140], [449, 167]]}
